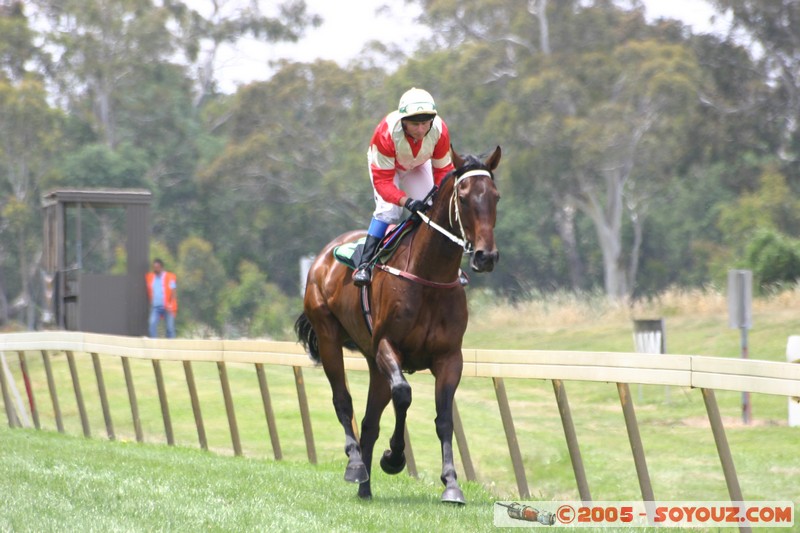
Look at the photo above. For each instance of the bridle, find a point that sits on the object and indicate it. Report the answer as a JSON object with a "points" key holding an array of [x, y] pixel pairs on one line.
{"points": [[454, 212]]}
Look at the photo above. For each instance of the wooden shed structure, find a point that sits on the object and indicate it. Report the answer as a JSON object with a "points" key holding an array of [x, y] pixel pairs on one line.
{"points": [[96, 255]]}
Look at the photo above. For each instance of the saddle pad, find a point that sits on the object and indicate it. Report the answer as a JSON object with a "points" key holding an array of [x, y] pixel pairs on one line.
{"points": [[349, 253]]}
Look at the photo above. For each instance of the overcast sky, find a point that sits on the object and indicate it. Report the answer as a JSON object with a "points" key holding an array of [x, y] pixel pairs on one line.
{"points": [[348, 25]]}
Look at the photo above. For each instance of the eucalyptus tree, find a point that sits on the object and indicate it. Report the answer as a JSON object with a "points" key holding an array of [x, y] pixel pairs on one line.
{"points": [[205, 27], [770, 29], [137, 77], [99, 46], [596, 102], [30, 133], [293, 173]]}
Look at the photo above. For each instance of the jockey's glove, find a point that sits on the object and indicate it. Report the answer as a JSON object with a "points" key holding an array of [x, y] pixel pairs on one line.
{"points": [[415, 205]]}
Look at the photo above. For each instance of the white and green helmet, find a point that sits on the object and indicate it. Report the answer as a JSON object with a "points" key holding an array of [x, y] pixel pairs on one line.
{"points": [[416, 102]]}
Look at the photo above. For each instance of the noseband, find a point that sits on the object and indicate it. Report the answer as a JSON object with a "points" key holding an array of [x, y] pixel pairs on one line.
{"points": [[454, 212]]}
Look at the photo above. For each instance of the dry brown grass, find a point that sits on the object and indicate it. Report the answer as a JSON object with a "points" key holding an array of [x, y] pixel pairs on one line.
{"points": [[562, 310]]}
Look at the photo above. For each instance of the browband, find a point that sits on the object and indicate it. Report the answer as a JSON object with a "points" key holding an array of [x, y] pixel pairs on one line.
{"points": [[471, 173]]}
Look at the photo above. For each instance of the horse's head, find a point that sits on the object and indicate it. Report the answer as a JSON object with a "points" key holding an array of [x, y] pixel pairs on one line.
{"points": [[473, 208]]}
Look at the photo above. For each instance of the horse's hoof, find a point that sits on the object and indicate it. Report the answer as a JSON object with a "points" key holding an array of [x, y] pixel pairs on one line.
{"points": [[356, 473], [365, 494], [453, 495], [390, 468]]}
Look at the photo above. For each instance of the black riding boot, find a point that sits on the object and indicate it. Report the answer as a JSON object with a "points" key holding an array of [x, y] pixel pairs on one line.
{"points": [[363, 274]]}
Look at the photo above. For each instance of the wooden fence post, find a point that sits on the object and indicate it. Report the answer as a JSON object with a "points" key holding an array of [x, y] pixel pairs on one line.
{"points": [[51, 385], [572, 441], [305, 415], [162, 396], [137, 423], [101, 388], [198, 415], [411, 464], [723, 449], [11, 414], [353, 422], [76, 384], [226, 393], [636, 445], [461, 440], [511, 437], [267, 401], [23, 364]]}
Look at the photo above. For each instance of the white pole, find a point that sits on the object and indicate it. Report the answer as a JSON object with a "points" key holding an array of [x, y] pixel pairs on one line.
{"points": [[793, 356]]}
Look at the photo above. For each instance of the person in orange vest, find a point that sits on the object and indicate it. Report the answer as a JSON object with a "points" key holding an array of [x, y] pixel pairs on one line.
{"points": [[162, 289]]}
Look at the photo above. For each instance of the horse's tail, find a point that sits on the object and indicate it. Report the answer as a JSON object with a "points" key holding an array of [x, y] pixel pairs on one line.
{"points": [[307, 336]]}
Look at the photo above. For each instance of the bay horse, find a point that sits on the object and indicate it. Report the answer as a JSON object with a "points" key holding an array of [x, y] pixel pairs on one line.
{"points": [[419, 316]]}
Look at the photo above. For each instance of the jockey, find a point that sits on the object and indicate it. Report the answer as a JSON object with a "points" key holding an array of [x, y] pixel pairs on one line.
{"points": [[408, 154]]}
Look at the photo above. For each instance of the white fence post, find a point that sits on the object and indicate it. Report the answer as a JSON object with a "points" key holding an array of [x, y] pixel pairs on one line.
{"points": [[649, 337], [793, 356]]}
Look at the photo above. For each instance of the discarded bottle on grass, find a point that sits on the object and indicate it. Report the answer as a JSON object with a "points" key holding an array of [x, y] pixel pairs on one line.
{"points": [[528, 513]]}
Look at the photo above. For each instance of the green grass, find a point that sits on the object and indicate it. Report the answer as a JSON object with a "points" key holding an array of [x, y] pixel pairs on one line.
{"points": [[681, 454], [52, 482]]}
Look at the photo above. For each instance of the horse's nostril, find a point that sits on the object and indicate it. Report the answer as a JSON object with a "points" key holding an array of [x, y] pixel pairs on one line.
{"points": [[483, 261]]}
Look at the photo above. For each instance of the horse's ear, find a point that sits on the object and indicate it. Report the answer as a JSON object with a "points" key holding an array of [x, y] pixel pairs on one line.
{"points": [[493, 160], [458, 162]]}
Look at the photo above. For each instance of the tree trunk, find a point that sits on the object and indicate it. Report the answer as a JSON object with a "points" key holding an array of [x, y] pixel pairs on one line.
{"points": [[614, 274], [539, 7], [25, 294], [3, 300], [565, 224], [606, 212]]}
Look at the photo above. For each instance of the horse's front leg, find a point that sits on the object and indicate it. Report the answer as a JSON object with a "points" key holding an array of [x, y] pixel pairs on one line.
{"points": [[377, 400], [388, 361], [448, 375]]}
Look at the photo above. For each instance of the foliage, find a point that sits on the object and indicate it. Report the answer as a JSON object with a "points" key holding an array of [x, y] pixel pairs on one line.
{"points": [[770, 206], [774, 258], [279, 170], [30, 139], [98, 166], [158, 250], [201, 280], [772, 27], [255, 308]]}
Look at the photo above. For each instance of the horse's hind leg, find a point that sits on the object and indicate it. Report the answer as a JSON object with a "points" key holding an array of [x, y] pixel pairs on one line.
{"points": [[394, 459], [333, 363], [448, 376]]}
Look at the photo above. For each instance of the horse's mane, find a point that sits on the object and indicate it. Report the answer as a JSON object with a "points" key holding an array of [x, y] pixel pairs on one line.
{"points": [[471, 162]]}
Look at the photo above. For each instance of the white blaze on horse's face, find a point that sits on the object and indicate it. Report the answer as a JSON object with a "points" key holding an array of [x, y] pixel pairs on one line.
{"points": [[478, 199]]}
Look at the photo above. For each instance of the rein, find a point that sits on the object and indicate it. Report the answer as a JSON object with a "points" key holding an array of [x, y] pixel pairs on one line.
{"points": [[422, 281]]}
